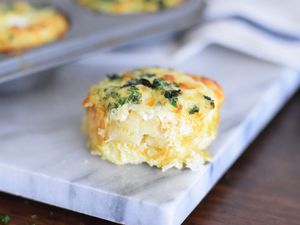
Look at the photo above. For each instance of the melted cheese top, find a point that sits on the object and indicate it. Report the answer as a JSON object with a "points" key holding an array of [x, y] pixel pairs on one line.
{"points": [[152, 91], [21, 14]]}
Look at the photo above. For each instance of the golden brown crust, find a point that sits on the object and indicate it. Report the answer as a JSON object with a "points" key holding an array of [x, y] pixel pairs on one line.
{"points": [[211, 84]]}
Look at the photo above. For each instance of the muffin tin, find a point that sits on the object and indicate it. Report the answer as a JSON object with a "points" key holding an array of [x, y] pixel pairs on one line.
{"points": [[90, 31]]}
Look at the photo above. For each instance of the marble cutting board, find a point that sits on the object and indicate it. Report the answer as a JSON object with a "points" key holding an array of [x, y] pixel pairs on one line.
{"points": [[43, 154]]}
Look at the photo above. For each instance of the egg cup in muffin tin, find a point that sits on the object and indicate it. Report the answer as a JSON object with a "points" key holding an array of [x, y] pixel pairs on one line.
{"points": [[88, 31], [24, 26], [123, 7]]}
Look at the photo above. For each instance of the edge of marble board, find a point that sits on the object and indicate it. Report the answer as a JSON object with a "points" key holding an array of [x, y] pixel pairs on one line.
{"points": [[175, 212]]}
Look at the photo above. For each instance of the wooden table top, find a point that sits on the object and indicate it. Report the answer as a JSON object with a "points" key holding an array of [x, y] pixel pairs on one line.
{"points": [[262, 188]]}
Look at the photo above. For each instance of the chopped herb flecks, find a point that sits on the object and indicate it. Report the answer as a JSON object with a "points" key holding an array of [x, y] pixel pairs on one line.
{"points": [[207, 98], [114, 94], [114, 77], [145, 82], [133, 97], [140, 81], [4, 219], [211, 101], [129, 93], [194, 109], [173, 102], [172, 96], [172, 93], [169, 90], [160, 83]]}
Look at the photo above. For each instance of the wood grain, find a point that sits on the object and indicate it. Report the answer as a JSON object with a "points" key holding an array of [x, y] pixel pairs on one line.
{"points": [[262, 188]]}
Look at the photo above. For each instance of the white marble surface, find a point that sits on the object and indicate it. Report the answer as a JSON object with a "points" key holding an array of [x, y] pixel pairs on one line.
{"points": [[43, 154]]}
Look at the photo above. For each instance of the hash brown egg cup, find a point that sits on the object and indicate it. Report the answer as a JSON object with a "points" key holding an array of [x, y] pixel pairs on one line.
{"points": [[24, 26], [129, 6], [158, 116]]}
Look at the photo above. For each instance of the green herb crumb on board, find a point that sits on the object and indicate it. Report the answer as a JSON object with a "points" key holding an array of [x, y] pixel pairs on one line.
{"points": [[4, 219], [34, 217]]}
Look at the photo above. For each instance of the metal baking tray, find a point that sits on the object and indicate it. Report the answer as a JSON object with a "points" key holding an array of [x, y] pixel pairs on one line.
{"points": [[90, 31]]}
